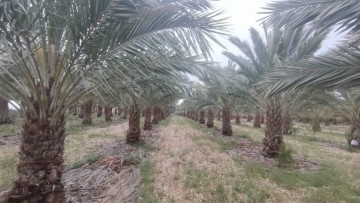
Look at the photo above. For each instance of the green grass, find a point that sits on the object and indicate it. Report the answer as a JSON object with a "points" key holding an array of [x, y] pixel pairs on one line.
{"points": [[87, 159], [195, 178], [11, 129], [253, 192], [7, 169], [147, 190]]}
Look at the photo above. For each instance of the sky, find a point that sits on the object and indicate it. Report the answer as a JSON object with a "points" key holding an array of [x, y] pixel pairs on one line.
{"points": [[243, 15]]}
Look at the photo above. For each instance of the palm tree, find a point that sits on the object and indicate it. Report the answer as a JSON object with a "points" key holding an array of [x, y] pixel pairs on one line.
{"points": [[335, 69], [56, 45], [99, 111], [279, 46], [4, 111], [88, 110]]}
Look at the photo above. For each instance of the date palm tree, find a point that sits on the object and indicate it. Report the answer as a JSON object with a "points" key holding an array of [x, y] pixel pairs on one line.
{"points": [[261, 56], [337, 68], [4, 111], [55, 45]]}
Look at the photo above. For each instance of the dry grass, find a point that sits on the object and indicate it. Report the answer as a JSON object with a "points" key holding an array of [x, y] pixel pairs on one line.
{"points": [[79, 143]]}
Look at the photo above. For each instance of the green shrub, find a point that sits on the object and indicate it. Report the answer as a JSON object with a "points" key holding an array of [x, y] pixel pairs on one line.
{"points": [[285, 159]]}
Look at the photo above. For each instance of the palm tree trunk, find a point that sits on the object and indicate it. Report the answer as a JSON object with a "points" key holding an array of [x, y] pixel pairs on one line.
{"points": [[226, 122], [287, 123], [218, 116], [202, 117], [81, 111], [107, 112], [120, 111], [316, 125], [99, 111], [262, 119], [156, 115], [210, 119], [257, 119], [125, 113], [196, 116], [87, 113], [4, 112], [134, 132], [237, 119], [147, 123], [41, 160], [273, 141], [248, 118], [162, 114]]}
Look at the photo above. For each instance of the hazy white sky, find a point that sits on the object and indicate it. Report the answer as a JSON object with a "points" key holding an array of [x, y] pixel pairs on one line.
{"points": [[244, 14]]}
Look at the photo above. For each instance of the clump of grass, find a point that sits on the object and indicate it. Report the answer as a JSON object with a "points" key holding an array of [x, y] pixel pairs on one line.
{"points": [[253, 192], [134, 158], [293, 180], [148, 147], [89, 158], [285, 159], [147, 190], [195, 178], [254, 169], [224, 145], [220, 194], [7, 169]]}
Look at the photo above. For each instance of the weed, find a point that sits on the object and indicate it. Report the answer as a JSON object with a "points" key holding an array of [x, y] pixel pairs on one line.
{"points": [[220, 194], [195, 178], [89, 158], [134, 158], [285, 159], [7, 172], [147, 190], [148, 147]]}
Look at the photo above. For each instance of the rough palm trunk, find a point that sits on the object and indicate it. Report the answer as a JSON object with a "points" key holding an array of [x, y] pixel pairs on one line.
{"points": [[134, 132], [196, 116], [40, 166], [273, 141], [354, 132], [147, 123], [202, 117], [327, 122], [287, 123], [4, 112], [257, 120], [156, 115], [316, 125], [237, 119], [120, 111], [226, 122], [262, 119], [88, 109], [99, 111], [75, 110], [81, 111], [125, 113], [218, 116], [248, 118], [210, 119], [115, 111], [107, 112], [162, 114]]}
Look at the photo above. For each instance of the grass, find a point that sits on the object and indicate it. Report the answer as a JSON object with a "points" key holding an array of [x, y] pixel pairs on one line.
{"points": [[87, 159], [195, 178], [7, 169], [11, 129], [147, 190]]}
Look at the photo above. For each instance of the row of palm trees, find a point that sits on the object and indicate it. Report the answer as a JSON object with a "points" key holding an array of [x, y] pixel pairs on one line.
{"points": [[279, 71], [59, 54]]}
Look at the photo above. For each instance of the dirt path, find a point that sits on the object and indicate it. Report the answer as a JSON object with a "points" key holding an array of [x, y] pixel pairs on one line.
{"points": [[193, 165]]}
